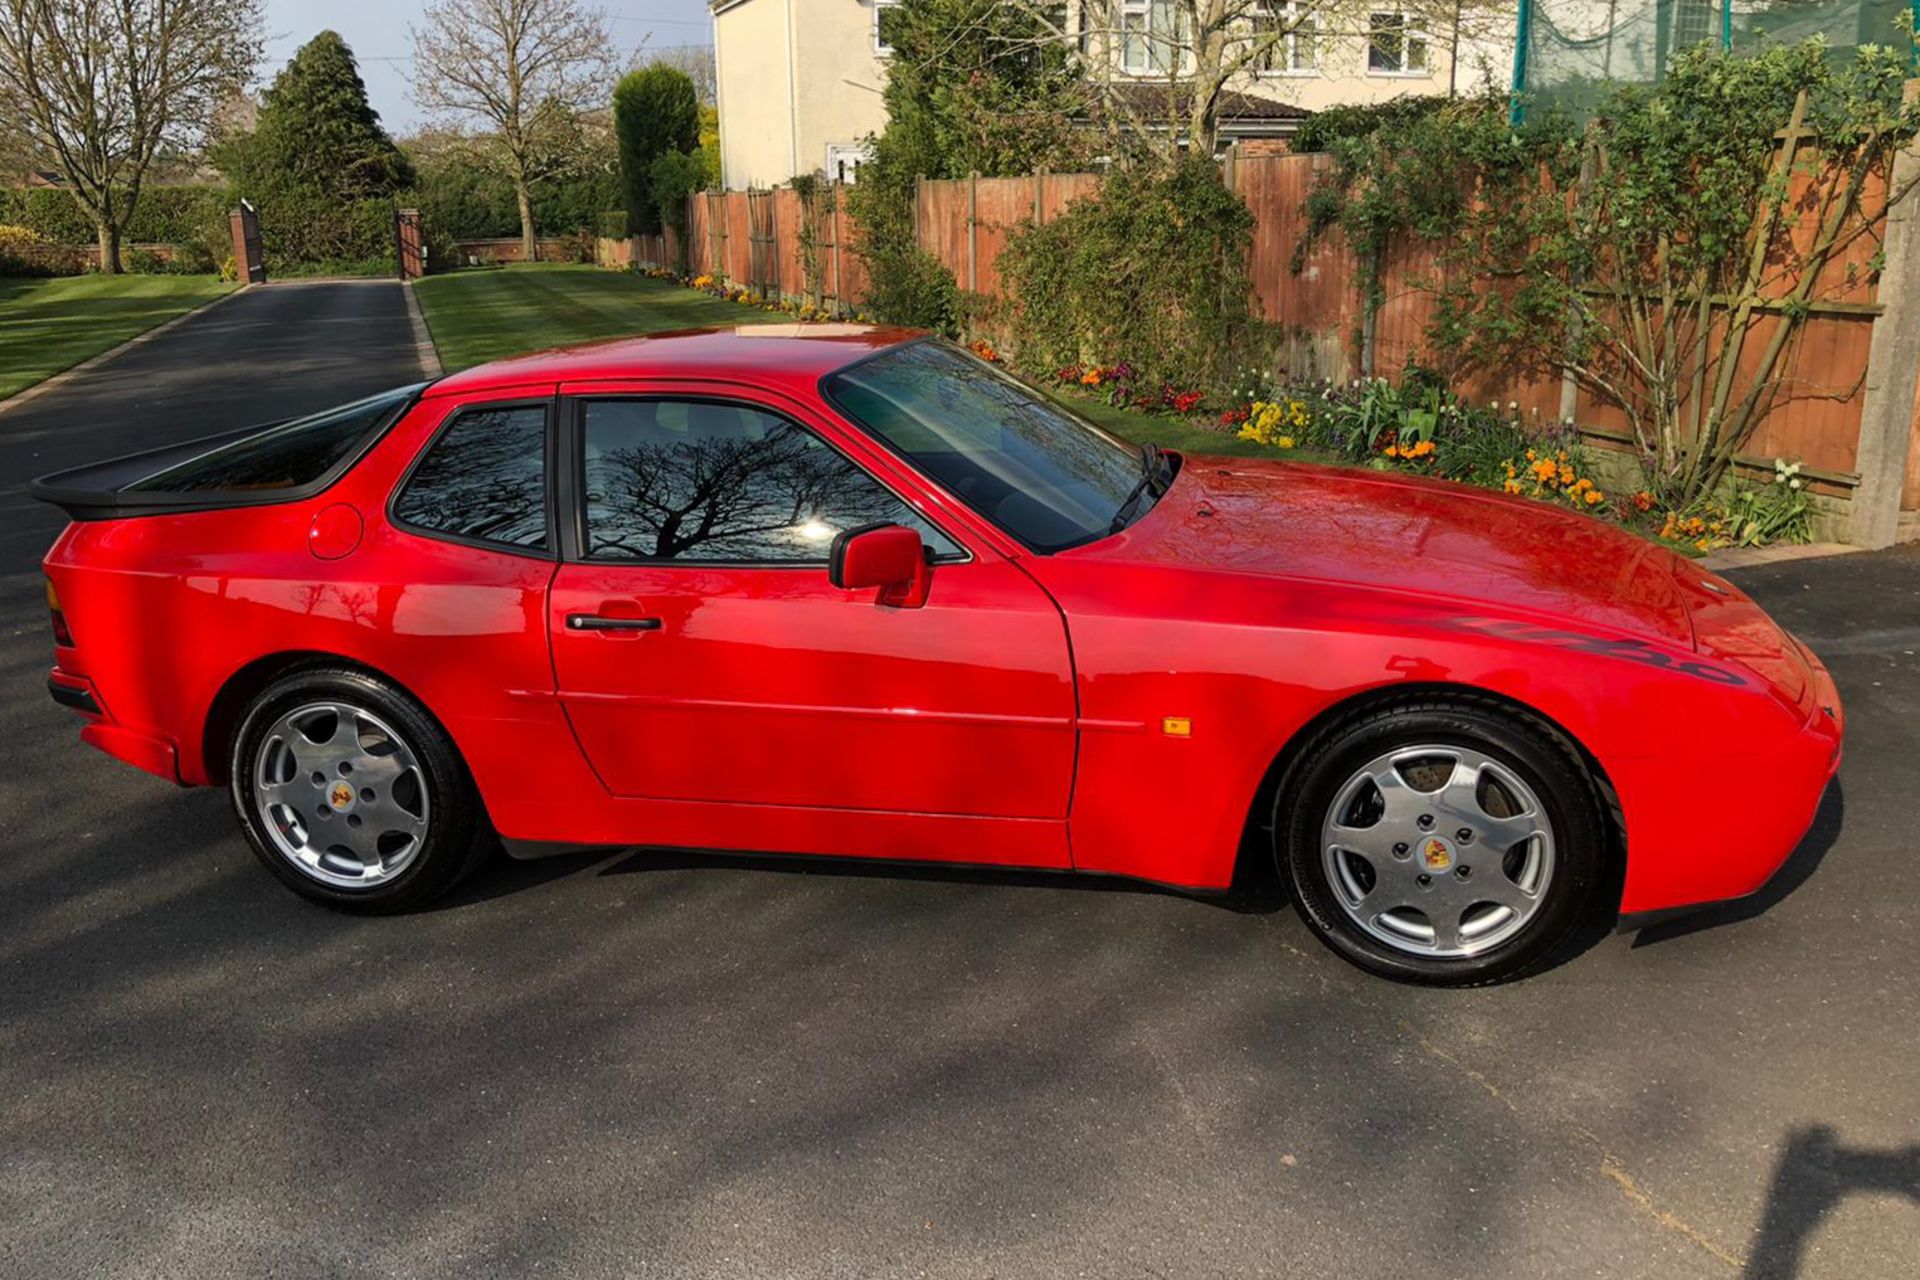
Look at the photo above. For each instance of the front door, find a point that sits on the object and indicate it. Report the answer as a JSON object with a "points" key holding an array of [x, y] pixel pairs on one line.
{"points": [[702, 655]]}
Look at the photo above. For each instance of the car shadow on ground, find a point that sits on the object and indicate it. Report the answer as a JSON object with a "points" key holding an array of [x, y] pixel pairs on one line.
{"points": [[1817, 1171], [1796, 871]]}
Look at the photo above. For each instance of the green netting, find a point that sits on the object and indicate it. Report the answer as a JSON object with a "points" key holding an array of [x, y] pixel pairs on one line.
{"points": [[1568, 49]]}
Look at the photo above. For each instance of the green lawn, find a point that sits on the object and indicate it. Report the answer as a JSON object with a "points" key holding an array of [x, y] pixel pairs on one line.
{"points": [[50, 325], [1181, 434], [476, 316], [482, 315]]}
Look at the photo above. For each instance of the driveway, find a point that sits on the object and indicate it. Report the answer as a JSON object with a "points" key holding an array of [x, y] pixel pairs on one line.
{"points": [[670, 1064]]}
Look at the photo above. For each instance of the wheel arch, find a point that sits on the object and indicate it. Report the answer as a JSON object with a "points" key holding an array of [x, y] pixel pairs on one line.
{"points": [[1256, 837], [229, 705]]}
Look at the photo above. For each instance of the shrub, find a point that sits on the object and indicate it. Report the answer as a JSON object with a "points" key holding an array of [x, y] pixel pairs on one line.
{"points": [[23, 252], [655, 113], [1152, 271], [673, 180]]}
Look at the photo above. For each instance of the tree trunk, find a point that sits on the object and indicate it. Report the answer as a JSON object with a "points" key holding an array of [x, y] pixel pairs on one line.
{"points": [[529, 248], [108, 237]]}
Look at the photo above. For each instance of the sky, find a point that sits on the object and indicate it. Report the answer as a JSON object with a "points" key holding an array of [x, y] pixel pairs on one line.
{"points": [[377, 32]]}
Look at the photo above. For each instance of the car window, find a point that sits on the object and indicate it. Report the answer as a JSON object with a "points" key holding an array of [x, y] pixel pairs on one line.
{"points": [[704, 481], [484, 477], [1044, 475], [286, 455]]}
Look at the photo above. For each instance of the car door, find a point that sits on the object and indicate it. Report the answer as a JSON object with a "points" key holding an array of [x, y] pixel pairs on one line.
{"points": [[702, 655]]}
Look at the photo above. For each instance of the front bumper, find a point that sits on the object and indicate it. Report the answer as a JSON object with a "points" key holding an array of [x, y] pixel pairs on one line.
{"points": [[1719, 831]]}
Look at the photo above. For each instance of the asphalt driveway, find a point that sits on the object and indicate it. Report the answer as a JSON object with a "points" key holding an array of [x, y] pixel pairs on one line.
{"points": [[667, 1065]]}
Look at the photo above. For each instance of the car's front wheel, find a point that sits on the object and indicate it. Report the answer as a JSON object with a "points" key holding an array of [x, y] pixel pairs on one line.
{"points": [[351, 795], [1445, 842]]}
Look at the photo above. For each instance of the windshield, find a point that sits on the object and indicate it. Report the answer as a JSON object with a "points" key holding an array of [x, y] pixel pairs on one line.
{"points": [[1050, 479], [286, 455]]}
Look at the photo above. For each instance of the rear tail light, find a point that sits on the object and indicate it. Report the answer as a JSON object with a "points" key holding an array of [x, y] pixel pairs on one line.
{"points": [[61, 636]]}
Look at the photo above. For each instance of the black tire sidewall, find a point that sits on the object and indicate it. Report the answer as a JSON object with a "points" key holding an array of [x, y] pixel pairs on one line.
{"points": [[448, 850], [1541, 757]]}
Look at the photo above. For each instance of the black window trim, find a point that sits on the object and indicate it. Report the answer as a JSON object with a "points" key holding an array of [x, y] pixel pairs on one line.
{"points": [[573, 456], [549, 553], [854, 424]]}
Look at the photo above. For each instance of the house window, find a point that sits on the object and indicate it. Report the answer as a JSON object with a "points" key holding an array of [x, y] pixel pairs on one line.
{"points": [[1396, 45], [1292, 50], [1690, 22], [886, 16], [1153, 37], [844, 160]]}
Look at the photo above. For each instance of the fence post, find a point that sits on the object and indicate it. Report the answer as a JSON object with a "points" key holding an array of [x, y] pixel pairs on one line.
{"points": [[973, 232], [839, 294], [1893, 366], [920, 210], [1039, 195]]}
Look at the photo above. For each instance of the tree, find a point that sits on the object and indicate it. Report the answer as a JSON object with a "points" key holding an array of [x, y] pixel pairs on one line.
{"points": [[655, 113], [103, 86], [525, 69], [973, 86], [316, 134], [1663, 259], [1470, 31], [1193, 49], [697, 61]]}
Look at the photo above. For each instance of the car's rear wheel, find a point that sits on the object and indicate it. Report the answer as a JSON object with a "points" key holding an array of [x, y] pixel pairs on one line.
{"points": [[351, 795], [1447, 842]]}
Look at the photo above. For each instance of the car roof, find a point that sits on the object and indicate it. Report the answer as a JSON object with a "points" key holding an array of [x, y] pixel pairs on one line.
{"points": [[783, 353]]}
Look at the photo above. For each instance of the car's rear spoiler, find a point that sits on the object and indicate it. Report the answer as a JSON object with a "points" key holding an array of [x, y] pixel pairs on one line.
{"points": [[95, 491], [98, 491]]}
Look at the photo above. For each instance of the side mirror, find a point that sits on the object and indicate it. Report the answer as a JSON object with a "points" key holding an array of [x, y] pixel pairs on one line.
{"points": [[888, 556]]}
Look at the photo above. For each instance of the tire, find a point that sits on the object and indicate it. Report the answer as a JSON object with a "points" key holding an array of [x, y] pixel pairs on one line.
{"points": [[352, 796], [1368, 838]]}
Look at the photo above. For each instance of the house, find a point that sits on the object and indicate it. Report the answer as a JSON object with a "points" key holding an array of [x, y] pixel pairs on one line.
{"points": [[799, 81]]}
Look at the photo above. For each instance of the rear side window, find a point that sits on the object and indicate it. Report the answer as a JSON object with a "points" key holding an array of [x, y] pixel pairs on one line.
{"points": [[288, 455], [483, 478]]}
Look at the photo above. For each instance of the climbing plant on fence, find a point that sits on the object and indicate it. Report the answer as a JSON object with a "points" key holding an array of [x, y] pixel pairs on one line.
{"points": [[1152, 272], [1665, 258]]}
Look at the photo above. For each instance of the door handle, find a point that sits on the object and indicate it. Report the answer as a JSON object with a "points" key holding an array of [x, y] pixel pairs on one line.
{"points": [[601, 622]]}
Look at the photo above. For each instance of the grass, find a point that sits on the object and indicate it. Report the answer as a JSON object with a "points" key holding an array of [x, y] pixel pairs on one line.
{"points": [[1182, 435], [47, 326], [482, 315]]}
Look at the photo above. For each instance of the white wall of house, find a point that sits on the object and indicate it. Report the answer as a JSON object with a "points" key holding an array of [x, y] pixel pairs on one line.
{"points": [[799, 85], [1338, 53], [800, 80]]}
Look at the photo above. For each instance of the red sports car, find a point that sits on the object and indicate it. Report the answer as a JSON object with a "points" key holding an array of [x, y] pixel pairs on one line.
{"points": [[846, 590]]}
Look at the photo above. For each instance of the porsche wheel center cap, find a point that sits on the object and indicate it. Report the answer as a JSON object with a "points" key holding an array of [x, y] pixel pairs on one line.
{"points": [[1435, 854], [340, 797]]}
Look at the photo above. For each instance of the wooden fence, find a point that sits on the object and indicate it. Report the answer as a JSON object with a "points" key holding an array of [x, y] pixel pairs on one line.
{"points": [[754, 240]]}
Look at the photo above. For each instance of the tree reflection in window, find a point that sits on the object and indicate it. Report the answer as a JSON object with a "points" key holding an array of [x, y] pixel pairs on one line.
{"points": [[485, 478], [703, 481]]}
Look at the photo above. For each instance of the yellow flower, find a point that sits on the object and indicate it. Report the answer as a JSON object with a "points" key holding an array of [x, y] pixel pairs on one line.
{"points": [[1285, 442]]}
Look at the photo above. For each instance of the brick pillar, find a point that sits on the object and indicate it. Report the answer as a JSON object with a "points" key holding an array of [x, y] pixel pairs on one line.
{"points": [[248, 263]]}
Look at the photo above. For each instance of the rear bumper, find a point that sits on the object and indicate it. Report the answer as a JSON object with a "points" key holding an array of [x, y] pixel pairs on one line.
{"points": [[74, 693], [150, 752]]}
